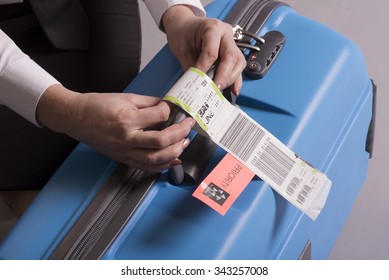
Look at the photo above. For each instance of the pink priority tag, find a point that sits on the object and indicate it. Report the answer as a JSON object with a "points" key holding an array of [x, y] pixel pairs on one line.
{"points": [[224, 184]]}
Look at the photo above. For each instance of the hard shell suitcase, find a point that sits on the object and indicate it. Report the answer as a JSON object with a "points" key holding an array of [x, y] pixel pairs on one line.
{"points": [[317, 98]]}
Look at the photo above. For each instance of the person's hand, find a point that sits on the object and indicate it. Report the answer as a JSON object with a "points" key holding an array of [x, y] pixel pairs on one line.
{"points": [[202, 42], [115, 124]]}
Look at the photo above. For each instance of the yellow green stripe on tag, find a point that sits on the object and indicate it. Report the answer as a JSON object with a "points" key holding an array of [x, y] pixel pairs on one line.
{"points": [[187, 109], [198, 71]]}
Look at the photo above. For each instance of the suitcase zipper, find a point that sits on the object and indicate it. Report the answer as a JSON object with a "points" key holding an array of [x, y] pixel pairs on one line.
{"points": [[101, 220], [104, 218]]}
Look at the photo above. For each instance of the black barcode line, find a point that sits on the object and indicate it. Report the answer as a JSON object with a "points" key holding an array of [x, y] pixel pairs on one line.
{"points": [[292, 187], [242, 137], [275, 164], [252, 142], [280, 157], [268, 171], [229, 138], [304, 193]]}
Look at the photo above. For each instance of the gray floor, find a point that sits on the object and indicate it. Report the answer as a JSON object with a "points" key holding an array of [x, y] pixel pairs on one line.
{"points": [[365, 235]]}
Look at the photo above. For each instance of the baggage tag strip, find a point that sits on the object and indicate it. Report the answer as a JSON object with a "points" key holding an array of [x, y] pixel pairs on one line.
{"points": [[252, 145]]}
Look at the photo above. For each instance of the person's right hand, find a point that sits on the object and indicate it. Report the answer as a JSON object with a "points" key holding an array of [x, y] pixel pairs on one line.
{"points": [[202, 42], [115, 124]]}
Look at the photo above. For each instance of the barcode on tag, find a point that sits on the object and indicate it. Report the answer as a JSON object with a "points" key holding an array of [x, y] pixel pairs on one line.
{"points": [[304, 193], [242, 137], [274, 163], [292, 187]]}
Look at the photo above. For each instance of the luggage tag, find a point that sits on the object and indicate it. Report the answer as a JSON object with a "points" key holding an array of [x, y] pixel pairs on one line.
{"points": [[249, 143]]}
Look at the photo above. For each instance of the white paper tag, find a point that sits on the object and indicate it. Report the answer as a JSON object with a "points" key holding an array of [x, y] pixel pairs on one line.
{"points": [[233, 130]]}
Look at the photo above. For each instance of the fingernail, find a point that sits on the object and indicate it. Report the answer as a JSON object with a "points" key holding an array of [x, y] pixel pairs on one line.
{"points": [[175, 162], [192, 122], [185, 143]]}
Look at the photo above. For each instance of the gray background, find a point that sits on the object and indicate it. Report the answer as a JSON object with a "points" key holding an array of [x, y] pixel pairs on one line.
{"points": [[366, 233]]}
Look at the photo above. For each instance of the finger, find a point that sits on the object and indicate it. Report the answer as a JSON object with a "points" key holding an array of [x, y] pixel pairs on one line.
{"points": [[188, 61], [157, 159], [209, 51], [154, 139], [237, 86], [230, 67], [142, 101], [150, 116]]}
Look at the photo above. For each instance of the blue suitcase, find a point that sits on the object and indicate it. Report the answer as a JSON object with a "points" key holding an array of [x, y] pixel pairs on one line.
{"points": [[317, 98]]}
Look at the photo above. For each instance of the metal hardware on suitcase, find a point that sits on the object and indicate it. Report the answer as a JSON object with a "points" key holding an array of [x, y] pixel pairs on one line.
{"points": [[315, 95]]}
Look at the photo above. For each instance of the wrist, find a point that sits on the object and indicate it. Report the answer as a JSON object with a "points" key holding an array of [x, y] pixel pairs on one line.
{"points": [[175, 16], [56, 108]]}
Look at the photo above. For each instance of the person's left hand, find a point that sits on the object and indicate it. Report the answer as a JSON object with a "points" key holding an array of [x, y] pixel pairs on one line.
{"points": [[117, 125], [202, 42]]}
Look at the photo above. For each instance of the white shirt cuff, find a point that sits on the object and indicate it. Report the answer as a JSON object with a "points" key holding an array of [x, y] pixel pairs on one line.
{"points": [[22, 81]]}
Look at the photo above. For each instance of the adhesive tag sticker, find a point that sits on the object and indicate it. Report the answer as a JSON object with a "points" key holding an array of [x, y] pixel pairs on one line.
{"points": [[224, 184], [233, 130]]}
